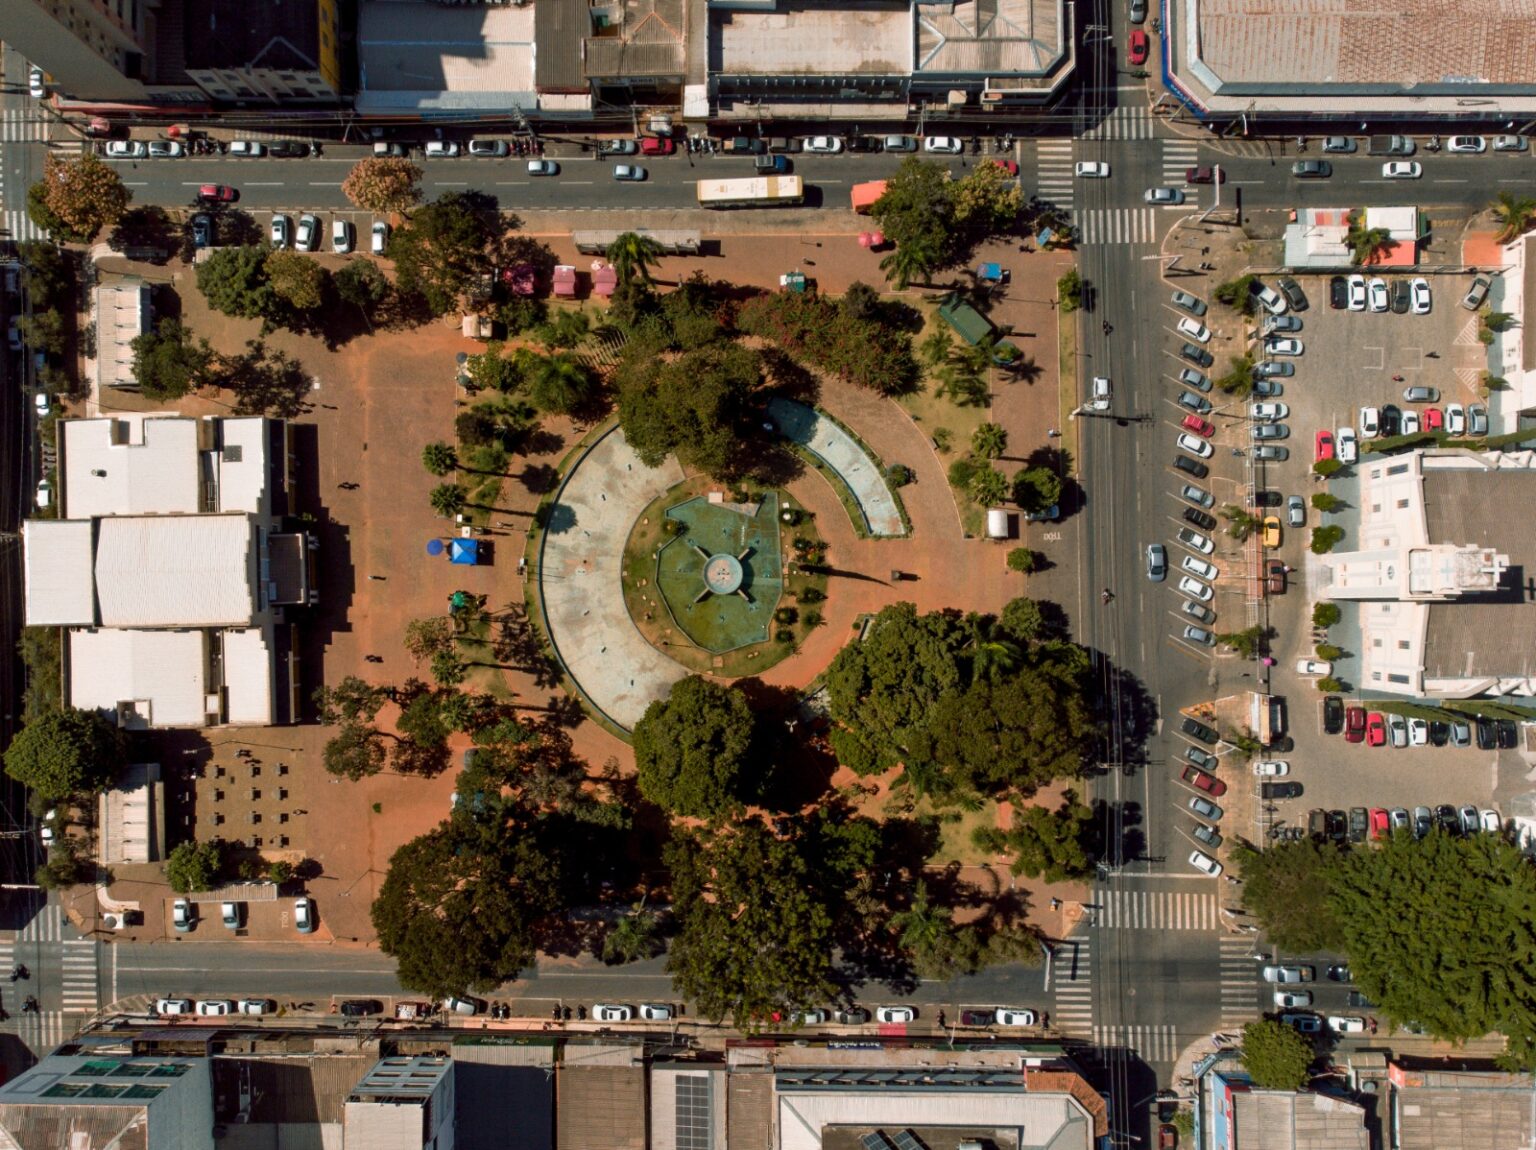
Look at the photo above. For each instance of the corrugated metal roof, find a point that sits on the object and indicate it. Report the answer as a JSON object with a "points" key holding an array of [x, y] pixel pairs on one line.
{"points": [[242, 465], [129, 466], [247, 678], [159, 672], [601, 1106], [60, 590], [559, 26], [175, 571]]}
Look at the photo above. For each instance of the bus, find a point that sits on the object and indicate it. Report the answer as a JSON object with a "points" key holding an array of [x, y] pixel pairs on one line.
{"points": [[753, 192]]}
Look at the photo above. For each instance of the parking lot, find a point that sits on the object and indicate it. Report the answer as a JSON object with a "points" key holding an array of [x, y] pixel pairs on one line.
{"points": [[1347, 360]]}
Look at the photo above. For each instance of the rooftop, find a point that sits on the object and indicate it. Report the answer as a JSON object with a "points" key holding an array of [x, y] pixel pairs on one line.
{"points": [[1272, 1120], [991, 38], [651, 40], [175, 571], [815, 39], [1462, 1110], [141, 678], [1473, 507], [130, 466], [122, 314], [436, 57], [277, 34]]}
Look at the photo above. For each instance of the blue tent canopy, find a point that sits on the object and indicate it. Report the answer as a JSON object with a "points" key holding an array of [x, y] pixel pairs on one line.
{"points": [[465, 551]]}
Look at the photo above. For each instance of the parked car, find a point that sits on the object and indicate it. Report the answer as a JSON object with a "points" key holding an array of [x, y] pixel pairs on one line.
{"points": [[1208, 837], [1195, 541], [496, 149], [1199, 496], [304, 915], [1136, 50], [1202, 758], [468, 1004], [1268, 412], [386, 150], [1196, 354], [1346, 445], [1200, 519], [1191, 466], [1295, 511], [1338, 293], [341, 236], [1197, 611], [1194, 445], [1303, 1023], [1477, 419], [173, 1006], [612, 1012], [1271, 791], [1271, 768], [1201, 427], [232, 914], [1195, 729], [308, 237], [378, 237], [1293, 293], [1376, 292], [360, 1007], [1346, 1024], [898, 143], [655, 1012], [1205, 864], [1288, 974], [1192, 304], [664, 146], [1370, 422], [1014, 1016], [441, 149], [895, 1014], [1397, 729], [1509, 143], [1420, 296], [202, 230], [184, 915], [256, 1006], [1290, 998], [1199, 635], [1193, 328], [1192, 378], [126, 149], [1157, 562], [166, 150], [1189, 585], [1204, 808], [215, 1007], [1477, 293], [824, 145], [612, 148], [1273, 301], [853, 1016], [943, 145], [1467, 145], [1375, 729], [1200, 567]]}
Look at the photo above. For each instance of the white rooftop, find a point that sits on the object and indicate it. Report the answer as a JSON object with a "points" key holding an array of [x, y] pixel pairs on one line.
{"points": [[247, 678], [242, 465], [56, 558], [130, 466], [175, 571], [158, 674]]}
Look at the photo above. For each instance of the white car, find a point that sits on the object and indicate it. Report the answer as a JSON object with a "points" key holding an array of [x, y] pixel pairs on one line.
{"points": [[1402, 170], [1196, 541], [1356, 293], [1092, 169], [1376, 288], [380, 238], [1273, 346], [1164, 195], [1273, 301], [1194, 445], [1410, 423], [1204, 863], [1014, 1016], [37, 84], [824, 145], [895, 1014], [1490, 822], [304, 915], [1289, 999], [1466, 145], [655, 1011], [943, 145], [1320, 667], [1418, 732], [1196, 330], [1101, 394], [1272, 768], [1455, 419], [173, 1006], [215, 1007], [42, 405], [308, 238], [1201, 567], [1346, 1024], [543, 168], [808, 1018], [441, 149], [279, 232], [257, 1006], [166, 149], [1346, 445], [1268, 412], [629, 173], [126, 149], [1370, 422], [44, 495], [1288, 975], [612, 1012], [1419, 293], [1195, 589], [248, 148], [341, 237]]}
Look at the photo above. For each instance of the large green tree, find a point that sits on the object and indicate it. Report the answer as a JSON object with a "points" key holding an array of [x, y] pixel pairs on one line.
{"points": [[559, 383], [755, 934], [695, 406], [1276, 1056], [1288, 887], [170, 361], [81, 196], [917, 213], [459, 908], [383, 184], [66, 753], [632, 256], [194, 866], [883, 689], [443, 252], [234, 281], [694, 750], [1044, 843]]}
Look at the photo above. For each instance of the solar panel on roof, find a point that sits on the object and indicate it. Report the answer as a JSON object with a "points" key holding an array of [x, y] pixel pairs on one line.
{"points": [[694, 1127], [875, 1140], [906, 1140]]}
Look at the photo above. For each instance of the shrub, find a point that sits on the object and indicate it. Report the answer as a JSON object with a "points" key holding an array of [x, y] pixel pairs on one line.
{"points": [[1069, 290], [1021, 559], [1325, 538], [857, 349], [1327, 467], [785, 615], [1326, 614], [784, 635], [812, 595], [1237, 293], [812, 619], [1326, 503], [1330, 653], [1329, 686], [899, 475]]}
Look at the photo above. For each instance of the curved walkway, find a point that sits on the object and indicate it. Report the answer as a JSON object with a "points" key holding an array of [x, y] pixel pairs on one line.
{"points": [[844, 455], [612, 665]]}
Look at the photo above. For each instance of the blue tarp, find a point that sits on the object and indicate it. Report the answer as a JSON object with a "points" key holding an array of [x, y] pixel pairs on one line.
{"points": [[464, 551]]}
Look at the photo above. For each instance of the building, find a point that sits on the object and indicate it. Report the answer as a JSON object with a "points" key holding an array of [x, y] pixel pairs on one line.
{"points": [[403, 1103], [171, 571], [1318, 239], [121, 310], [99, 1094], [481, 60], [1234, 1114], [99, 48], [1368, 63], [282, 52], [1454, 1109]]}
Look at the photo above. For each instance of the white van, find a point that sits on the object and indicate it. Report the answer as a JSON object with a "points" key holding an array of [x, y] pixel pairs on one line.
{"points": [[341, 237], [1101, 393]]}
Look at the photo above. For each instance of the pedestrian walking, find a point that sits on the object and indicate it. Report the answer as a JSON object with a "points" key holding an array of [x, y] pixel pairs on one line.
{"points": [[377, 578]]}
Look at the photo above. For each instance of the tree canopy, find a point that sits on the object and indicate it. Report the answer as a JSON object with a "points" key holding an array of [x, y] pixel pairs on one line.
{"points": [[383, 184], [170, 361], [1288, 886], [1046, 844], [66, 753], [917, 210], [755, 935], [80, 197], [693, 750], [695, 406], [194, 866], [444, 250], [234, 282], [1275, 1055]]}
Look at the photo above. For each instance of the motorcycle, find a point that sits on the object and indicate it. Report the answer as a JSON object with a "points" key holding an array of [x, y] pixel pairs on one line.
{"points": [[1433, 144]]}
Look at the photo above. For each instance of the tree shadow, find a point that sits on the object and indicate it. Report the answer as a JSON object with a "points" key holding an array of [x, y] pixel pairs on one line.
{"points": [[266, 382], [787, 377], [1135, 716], [539, 478], [797, 770], [147, 228]]}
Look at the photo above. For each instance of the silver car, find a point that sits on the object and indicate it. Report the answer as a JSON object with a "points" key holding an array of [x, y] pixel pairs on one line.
{"points": [[1157, 562]]}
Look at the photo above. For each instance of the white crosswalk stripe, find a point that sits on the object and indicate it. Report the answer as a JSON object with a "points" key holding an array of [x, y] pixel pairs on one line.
{"points": [[1158, 910], [1178, 157], [1117, 225], [1072, 975], [24, 125], [1155, 1044], [1053, 176], [1127, 123], [1239, 985], [79, 975]]}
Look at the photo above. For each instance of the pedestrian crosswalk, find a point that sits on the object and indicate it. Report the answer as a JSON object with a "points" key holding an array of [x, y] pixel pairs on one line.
{"points": [[1053, 176], [1127, 123], [1158, 910], [1178, 157], [1239, 985], [23, 127], [1118, 225], [63, 974], [1072, 973], [1153, 1044]]}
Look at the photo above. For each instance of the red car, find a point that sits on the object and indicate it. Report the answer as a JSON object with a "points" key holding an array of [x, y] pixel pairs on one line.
{"points": [[1324, 445], [1008, 166], [1432, 419], [1138, 46], [1354, 725], [657, 146], [1198, 426], [1167, 1137], [1376, 729], [217, 194], [1203, 175], [1204, 780], [1381, 825]]}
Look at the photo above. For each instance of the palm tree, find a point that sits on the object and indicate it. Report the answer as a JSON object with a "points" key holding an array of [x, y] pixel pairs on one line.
{"points": [[447, 499], [560, 383], [916, 259], [994, 658], [1514, 215], [923, 926], [934, 349], [632, 255], [1365, 242], [439, 458], [989, 441], [961, 384]]}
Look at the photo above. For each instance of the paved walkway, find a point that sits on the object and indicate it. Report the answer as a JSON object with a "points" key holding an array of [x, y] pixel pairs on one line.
{"points": [[613, 666], [844, 454]]}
